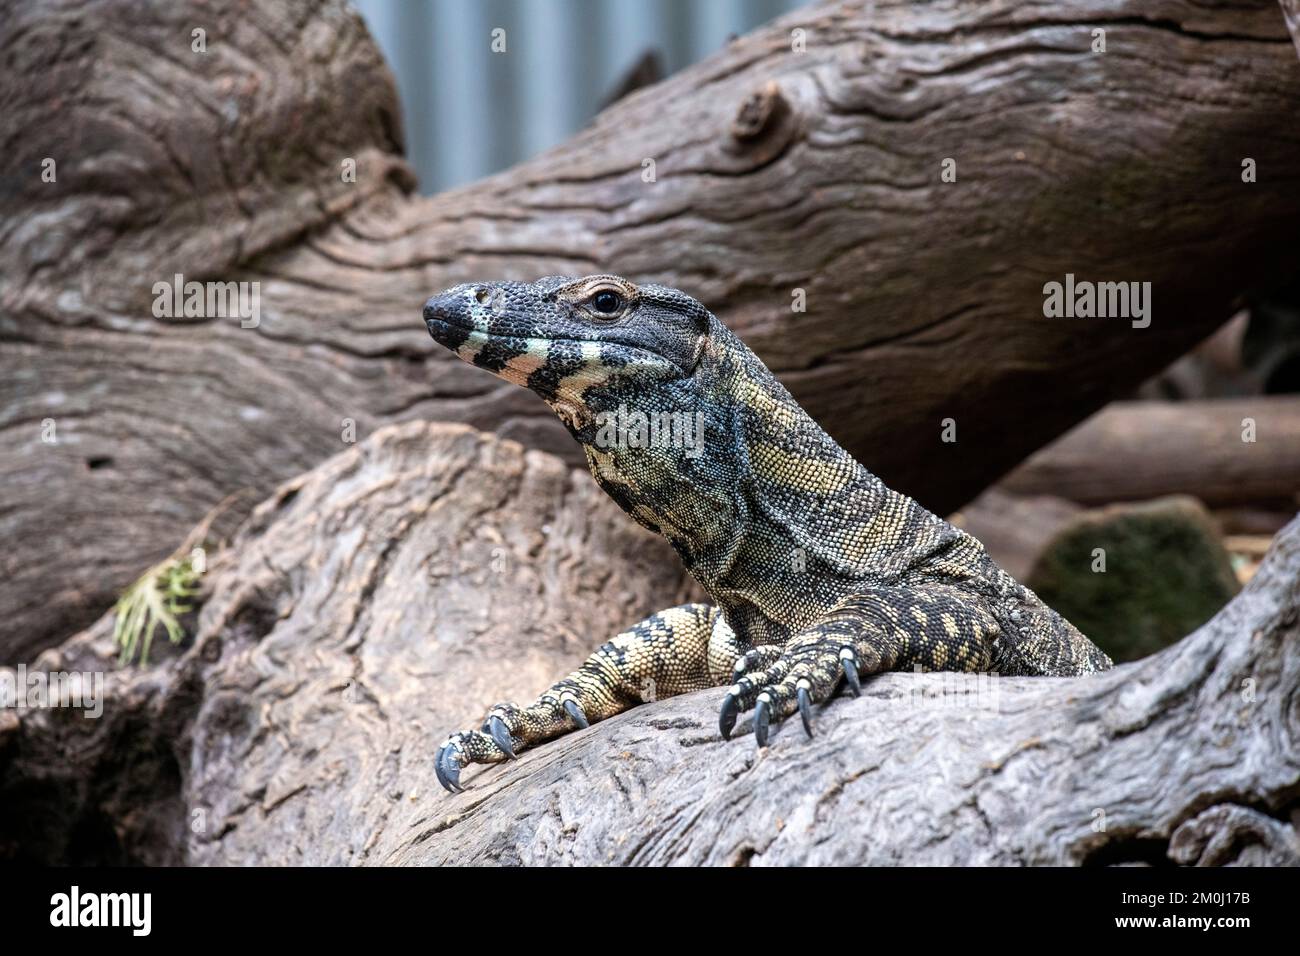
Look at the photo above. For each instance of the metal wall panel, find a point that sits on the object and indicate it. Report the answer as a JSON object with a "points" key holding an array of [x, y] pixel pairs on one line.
{"points": [[470, 112]]}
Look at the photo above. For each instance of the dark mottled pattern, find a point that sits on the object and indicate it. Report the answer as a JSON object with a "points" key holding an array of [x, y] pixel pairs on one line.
{"points": [[819, 573]]}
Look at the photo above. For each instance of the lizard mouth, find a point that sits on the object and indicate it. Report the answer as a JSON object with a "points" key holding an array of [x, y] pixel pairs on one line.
{"points": [[446, 333], [447, 320], [445, 329], [450, 326], [454, 335]]}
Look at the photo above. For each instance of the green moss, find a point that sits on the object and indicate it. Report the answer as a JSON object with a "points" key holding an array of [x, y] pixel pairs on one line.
{"points": [[1167, 573]]}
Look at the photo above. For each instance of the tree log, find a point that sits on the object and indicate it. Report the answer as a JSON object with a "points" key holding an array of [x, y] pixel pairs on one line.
{"points": [[776, 169], [1131, 451], [404, 585], [401, 588]]}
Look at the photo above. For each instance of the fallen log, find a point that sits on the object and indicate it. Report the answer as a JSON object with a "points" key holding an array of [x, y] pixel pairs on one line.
{"points": [[403, 586], [360, 616], [803, 165], [1231, 451]]}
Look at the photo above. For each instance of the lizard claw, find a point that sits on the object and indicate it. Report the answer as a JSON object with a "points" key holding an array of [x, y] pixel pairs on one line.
{"points": [[762, 718], [806, 671], [850, 665], [506, 731], [496, 728], [447, 768], [574, 711], [727, 716], [805, 710]]}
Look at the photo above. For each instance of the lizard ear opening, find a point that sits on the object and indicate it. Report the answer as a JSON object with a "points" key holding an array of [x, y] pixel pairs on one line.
{"points": [[700, 343]]}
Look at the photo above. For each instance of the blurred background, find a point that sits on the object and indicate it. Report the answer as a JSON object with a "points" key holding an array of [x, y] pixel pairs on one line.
{"points": [[566, 59]]}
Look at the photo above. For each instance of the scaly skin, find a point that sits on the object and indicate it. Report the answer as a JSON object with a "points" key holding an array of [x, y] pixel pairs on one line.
{"points": [[818, 573]]}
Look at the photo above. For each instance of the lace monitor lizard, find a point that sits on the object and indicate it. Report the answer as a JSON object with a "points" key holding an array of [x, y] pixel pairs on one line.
{"points": [[819, 574]]}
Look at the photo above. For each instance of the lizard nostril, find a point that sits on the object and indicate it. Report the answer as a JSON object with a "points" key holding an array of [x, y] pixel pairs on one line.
{"points": [[481, 295]]}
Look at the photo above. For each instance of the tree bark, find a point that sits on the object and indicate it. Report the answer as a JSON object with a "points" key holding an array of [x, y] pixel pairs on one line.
{"points": [[1232, 451], [776, 170], [404, 586]]}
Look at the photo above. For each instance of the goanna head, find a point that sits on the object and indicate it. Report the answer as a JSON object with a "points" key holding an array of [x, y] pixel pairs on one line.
{"points": [[641, 375], [575, 342]]}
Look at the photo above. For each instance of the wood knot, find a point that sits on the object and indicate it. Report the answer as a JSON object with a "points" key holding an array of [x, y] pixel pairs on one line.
{"points": [[762, 110], [765, 126]]}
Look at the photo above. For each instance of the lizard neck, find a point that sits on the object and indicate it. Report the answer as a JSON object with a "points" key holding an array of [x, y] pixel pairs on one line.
{"points": [[771, 516]]}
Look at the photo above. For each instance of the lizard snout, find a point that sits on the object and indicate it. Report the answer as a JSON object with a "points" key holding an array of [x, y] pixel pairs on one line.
{"points": [[449, 316], [450, 306]]}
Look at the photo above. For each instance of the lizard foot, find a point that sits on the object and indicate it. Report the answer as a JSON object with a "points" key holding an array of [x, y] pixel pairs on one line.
{"points": [[807, 670], [507, 730]]}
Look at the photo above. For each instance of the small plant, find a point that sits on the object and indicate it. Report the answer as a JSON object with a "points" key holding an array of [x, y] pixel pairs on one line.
{"points": [[157, 599], [163, 593]]}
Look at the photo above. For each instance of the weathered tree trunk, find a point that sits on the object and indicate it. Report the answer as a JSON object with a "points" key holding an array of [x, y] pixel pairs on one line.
{"points": [[402, 587], [778, 172], [1234, 451], [398, 590]]}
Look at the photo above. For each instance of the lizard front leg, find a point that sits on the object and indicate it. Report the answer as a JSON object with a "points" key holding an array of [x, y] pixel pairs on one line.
{"points": [[935, 627], [668, 653]]}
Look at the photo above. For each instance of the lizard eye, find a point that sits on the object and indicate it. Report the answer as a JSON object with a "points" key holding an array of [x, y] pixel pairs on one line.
{"points": [[607, 302]]}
